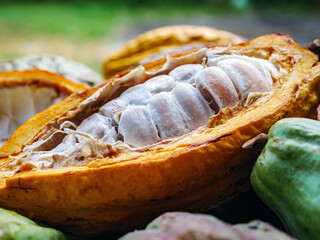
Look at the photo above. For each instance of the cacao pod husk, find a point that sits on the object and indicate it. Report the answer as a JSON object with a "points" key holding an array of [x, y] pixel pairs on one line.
{"points": [[128, 187]]}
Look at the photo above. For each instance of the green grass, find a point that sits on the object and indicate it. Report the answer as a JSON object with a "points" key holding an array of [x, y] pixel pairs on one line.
{"points": [[85, 20], [62, 20]]}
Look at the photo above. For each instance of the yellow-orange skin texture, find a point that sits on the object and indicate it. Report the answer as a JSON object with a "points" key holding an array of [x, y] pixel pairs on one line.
{"points": [[193, 172], [41, 78]]}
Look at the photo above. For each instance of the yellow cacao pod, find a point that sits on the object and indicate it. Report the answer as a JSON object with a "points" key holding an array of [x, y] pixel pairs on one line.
{"points": [[57, 170], [25, 93]]}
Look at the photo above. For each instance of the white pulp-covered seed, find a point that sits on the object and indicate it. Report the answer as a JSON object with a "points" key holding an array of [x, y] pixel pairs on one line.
{"points": [[5, 102], [5, 114], [114, 108], [269, 70], [186, 73], [137, 127], [43, 97], [167, 115], [140, 94], [137, 95], [197, 110], [5, 128], [216, 87], [18, 104], [265, 67], [22, 106], [245, 77], [98, 126], [161, 83]]}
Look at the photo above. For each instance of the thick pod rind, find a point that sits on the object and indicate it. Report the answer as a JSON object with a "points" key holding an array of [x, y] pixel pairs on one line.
{"points": [[41, 77], [286, 175], [129, 187]]}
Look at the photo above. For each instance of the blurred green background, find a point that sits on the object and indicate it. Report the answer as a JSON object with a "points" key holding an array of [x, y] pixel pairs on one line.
{"points": [[88, 31]]}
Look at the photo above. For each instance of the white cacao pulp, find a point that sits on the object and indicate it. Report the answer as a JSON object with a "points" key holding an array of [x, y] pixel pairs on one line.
{"points": [[19, 103], [169, 105]]}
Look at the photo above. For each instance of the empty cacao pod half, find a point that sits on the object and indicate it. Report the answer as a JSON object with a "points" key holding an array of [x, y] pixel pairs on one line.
{"points": [[165, 136], [70, 69], [158, 42], [23, 94]]}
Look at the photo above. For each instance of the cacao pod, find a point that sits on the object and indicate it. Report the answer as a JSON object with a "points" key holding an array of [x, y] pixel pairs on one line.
{"points": [[78, 166], [158, 42], [23, 94], [286, 175], [181, 225], [71, 70]]}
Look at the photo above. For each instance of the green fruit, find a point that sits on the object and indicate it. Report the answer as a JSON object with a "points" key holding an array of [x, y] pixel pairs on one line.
{"points": [[16, 227], [287, 175]]}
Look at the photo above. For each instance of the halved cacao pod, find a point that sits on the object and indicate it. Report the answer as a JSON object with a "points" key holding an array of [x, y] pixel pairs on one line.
{"points": [[70, 69], [158, 42], [101, 186], [23, 94]]}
